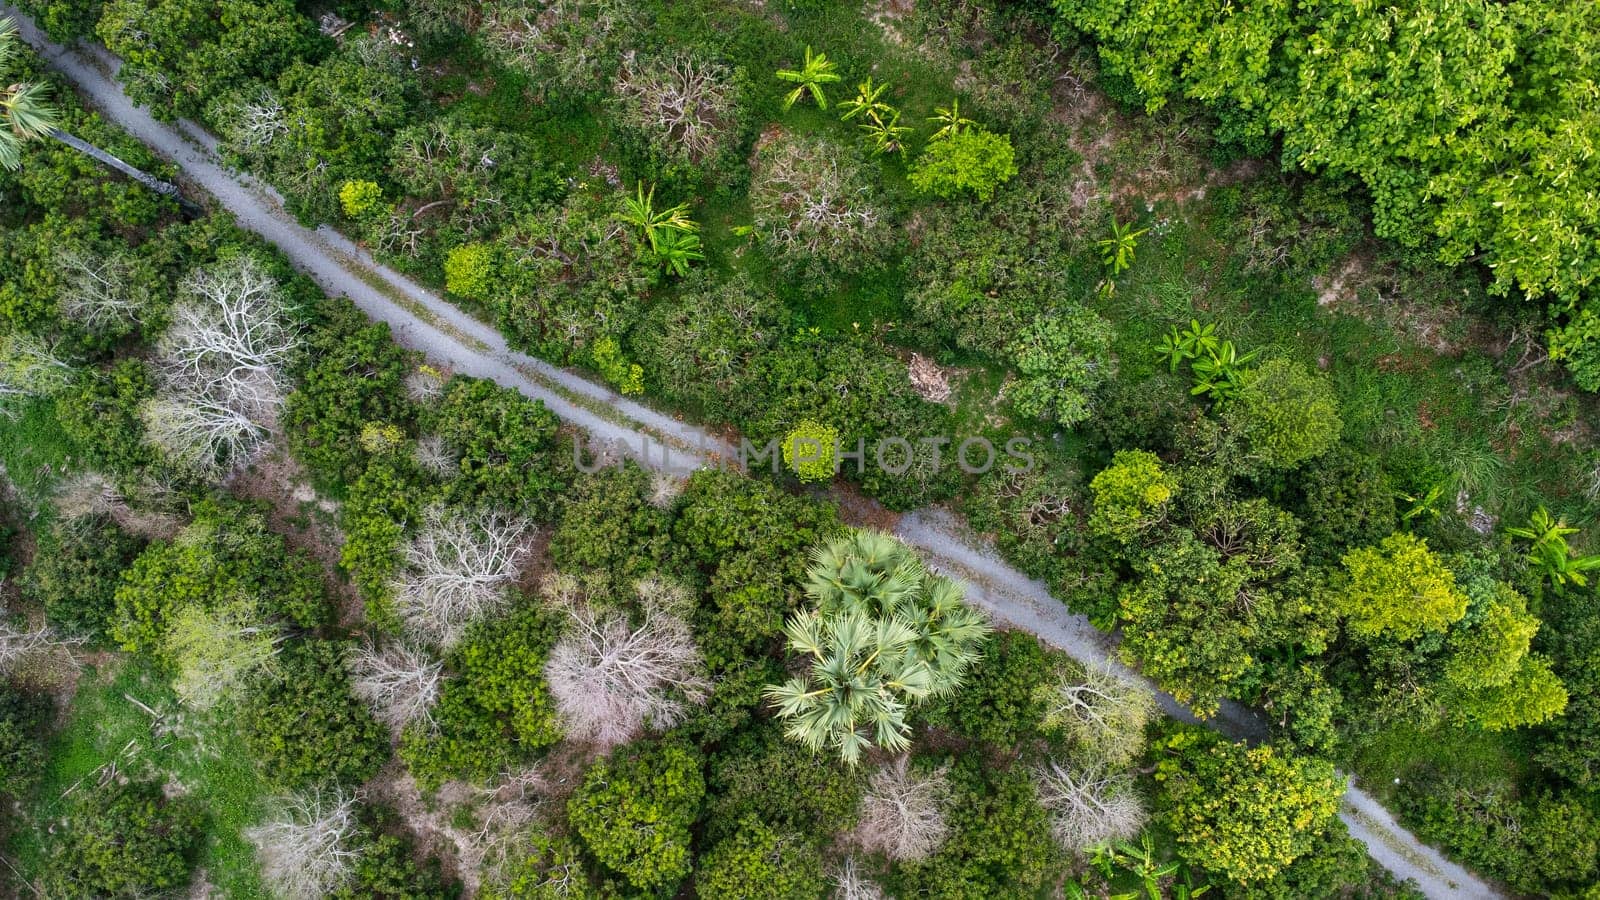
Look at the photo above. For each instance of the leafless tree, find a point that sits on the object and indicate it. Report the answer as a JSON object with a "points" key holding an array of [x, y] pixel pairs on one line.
{"points": [[850, 883], [29, 368], [307, 849], [223, 364], [1088, 806], [434, 456], [686, 105], [1104, 714], [88, 495], [612, 677], [400, 682], [902, 812], [20, 646], [101, 291], [505, 815], [230, 332], [457, 569], [573, 41], [811, 199], [256, 123]]}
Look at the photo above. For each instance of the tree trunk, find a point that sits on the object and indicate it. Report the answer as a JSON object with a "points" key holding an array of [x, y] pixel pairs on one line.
{"points": [[150, 181]]}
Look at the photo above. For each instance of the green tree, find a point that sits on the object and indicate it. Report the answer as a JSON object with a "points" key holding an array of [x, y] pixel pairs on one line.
{"points": [[469, 271], [1240, 811], [972, 161], [810, 451], [1062, 359], [24, 717], [75, 573], [1130, 495], [634, 810], [302, 724], [1286, 414], [505, 442], [1398, 588]]}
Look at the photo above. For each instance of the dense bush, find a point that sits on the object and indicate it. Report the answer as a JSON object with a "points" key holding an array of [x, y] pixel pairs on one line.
{"points": [[1062, 359], [124, 840], [495, 708], [1000, 845], [761, 774], [814, 206], [1002, 703], [226, 553], [23, 718], [1286, 415], [303, 726], [972, 161], [505, 444], [610, 526], [634, 810], [758, 861], [75, 573]]}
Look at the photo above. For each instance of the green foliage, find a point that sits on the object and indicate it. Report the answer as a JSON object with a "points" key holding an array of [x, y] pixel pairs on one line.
{"points": [[880, 121], [810, 451], [817, 71], [703, 349], [552, 870], [1286, 414], [626, 377], [1550, 555], [303, 726], [972, 161], [376, 510], [883, 635], [1000, 846], [759, 774], [609, 526], [506, 444], [1397, 588], [548, 305], [1239, 811], [100, 414], [360, 198], [816, 209], [1130, 495], [227, 552], [354, 375], [1062, 359], [1569, 746], [24, 716], [495, 709], [1577, 344], [634, 810], [469, 271], [1347, 500], [1117, 252], [760, 862], [388, 867], [75, 572], [1002, 703], [124, 840]]}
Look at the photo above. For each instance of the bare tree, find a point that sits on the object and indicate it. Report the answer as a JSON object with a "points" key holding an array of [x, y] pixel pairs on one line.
{"points": [[812, 200], [230, 331], [1104, 714], [434, 456], [101, 291], [224, 363], [20, 646], [29, 368], [400, 682], [1090, 806], [456, 570], [687, 105], [504, 818], [612, 677], [902, 812], [256, 123], [306, 850], [850, 883], [88, 495]]}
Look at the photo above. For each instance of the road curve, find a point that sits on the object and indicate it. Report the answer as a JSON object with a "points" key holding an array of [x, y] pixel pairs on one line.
{"points": [[451, 338]]}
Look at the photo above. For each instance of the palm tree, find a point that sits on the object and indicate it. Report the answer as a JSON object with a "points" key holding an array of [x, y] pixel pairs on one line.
{"points": [[25, 115], [817, 72]]}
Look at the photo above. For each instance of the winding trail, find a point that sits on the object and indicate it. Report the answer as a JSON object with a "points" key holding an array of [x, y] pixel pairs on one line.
{"points": [[451, 338]]}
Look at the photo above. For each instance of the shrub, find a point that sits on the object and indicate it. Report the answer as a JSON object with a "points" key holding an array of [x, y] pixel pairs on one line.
{"points": [[1000, 846], [760, 862], [634, 810], [1578, 345], [687, 108], [759, 774], [1130, 495], [225, 553], [810, 451], [626, 377], [123, 840], [1398, 588], [1285, 414], [971, 161], [506, 446], [1001, 703], [100, 414], [469, 271], [1062, 359], [609, 526], [494, 709], [304, 726], [24, 715], [358, 198], [75, 573], [1239, 811]]}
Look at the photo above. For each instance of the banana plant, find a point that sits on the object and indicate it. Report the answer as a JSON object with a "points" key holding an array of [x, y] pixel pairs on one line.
{"points": [[1425, 505], [866, 102], [886, 135], [675, 249], [1178, 347], [1549, 553], [671, 234], [1219, 374], [1117, 251], [949, 120], [816, 72]]}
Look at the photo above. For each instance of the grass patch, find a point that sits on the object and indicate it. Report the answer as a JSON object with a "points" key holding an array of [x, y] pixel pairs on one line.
{"points": [[1400, 754], [103, 726], [35, 452]]}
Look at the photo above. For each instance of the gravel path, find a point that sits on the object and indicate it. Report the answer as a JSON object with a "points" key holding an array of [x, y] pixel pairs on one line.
{"points": [[451, 338]]}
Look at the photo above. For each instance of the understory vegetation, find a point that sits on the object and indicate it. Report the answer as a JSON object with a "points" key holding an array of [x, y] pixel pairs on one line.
{"points": [[1292, 390]]}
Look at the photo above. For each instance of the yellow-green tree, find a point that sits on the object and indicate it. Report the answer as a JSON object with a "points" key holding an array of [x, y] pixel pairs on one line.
{"points": [[1397, 589]]}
